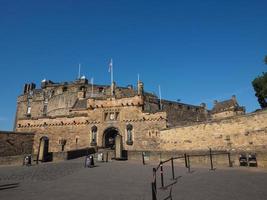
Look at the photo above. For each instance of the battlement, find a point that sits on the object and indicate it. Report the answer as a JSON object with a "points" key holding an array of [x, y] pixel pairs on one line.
{"points": [[112, 102]]}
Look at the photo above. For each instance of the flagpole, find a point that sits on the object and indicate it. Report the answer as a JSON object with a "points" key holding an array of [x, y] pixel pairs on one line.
{"points": [[92, 82], [111, 76], [111, 71], [160, 97], [79, 73]]}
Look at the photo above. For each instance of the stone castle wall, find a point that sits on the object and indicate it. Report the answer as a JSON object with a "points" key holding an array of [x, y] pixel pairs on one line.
{"points": [[239, 133], [13, 143]]}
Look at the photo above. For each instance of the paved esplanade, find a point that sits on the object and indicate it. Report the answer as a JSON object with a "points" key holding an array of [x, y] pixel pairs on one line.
{"points": [[126, 180]]}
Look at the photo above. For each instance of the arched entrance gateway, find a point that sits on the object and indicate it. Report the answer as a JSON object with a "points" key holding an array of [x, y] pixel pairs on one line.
{"points": [[109, 137], [113, 140]]}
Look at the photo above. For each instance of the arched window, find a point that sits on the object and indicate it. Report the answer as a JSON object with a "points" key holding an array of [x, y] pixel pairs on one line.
{"points": [[129, 129], [94, 136]]}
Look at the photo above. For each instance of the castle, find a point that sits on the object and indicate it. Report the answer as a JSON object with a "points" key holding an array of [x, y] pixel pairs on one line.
{"points": [[79, 114]]}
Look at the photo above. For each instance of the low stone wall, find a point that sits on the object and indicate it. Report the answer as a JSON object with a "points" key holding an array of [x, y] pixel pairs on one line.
{"points": [[15, 143], [12, 160], [55, 156]]}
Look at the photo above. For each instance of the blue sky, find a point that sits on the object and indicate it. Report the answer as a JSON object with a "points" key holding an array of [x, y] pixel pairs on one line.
{"points": [[198, 51]]}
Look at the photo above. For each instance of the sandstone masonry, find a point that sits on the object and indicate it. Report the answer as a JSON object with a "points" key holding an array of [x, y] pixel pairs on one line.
{"points": [[78, 114]]}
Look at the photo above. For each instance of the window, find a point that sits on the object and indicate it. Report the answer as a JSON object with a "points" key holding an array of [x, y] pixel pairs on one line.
{"points": [[45, 106], [29, 110], [28, 113], [94, 136], [82, 88], [64, 89], [101, 90], [129, 129]]}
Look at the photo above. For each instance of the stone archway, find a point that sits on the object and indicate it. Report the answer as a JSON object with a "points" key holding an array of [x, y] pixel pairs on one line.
{"points": [[112, 139], [109, 137]]}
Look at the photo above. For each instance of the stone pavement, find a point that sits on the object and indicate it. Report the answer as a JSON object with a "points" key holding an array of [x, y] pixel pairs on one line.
{"points": [[126, 180]]}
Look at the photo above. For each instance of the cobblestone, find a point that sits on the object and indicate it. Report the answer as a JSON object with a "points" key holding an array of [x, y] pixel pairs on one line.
{"points": [[127, 180]]}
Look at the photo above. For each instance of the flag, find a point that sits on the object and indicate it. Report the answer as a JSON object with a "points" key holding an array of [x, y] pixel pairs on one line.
{"points": [[110, 66], [92, 80]]}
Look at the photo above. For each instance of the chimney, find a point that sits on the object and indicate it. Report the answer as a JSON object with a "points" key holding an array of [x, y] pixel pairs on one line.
{"points": [[234, 98], [25, 88], [140, 88]]}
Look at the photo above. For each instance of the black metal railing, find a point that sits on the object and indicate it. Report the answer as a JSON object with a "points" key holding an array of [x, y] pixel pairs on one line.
{"points": [[187, 163]]}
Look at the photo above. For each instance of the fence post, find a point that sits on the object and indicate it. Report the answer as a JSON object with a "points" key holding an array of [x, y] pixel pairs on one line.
{"points": [[188, 163], [211, 162], [154, 194], [229, 159], [154, 185], [185, 160], [172, 169], [155, 178], [161, 174]]}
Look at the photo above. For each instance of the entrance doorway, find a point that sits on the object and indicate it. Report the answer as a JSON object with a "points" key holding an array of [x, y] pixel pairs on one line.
{"points": [[43, 149], [109, 137]]}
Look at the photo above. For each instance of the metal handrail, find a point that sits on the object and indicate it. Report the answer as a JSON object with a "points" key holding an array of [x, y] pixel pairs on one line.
{"points": [[186, 158]]}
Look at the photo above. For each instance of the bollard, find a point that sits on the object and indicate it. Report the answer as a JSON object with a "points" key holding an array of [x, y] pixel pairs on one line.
{"points": [[143, 158], [229, 159], [185, 160], [30, 160], [188, 164], [89, 161], [172, 169], [161, 174], [211, 162], [92, 163], [107, 156]]}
